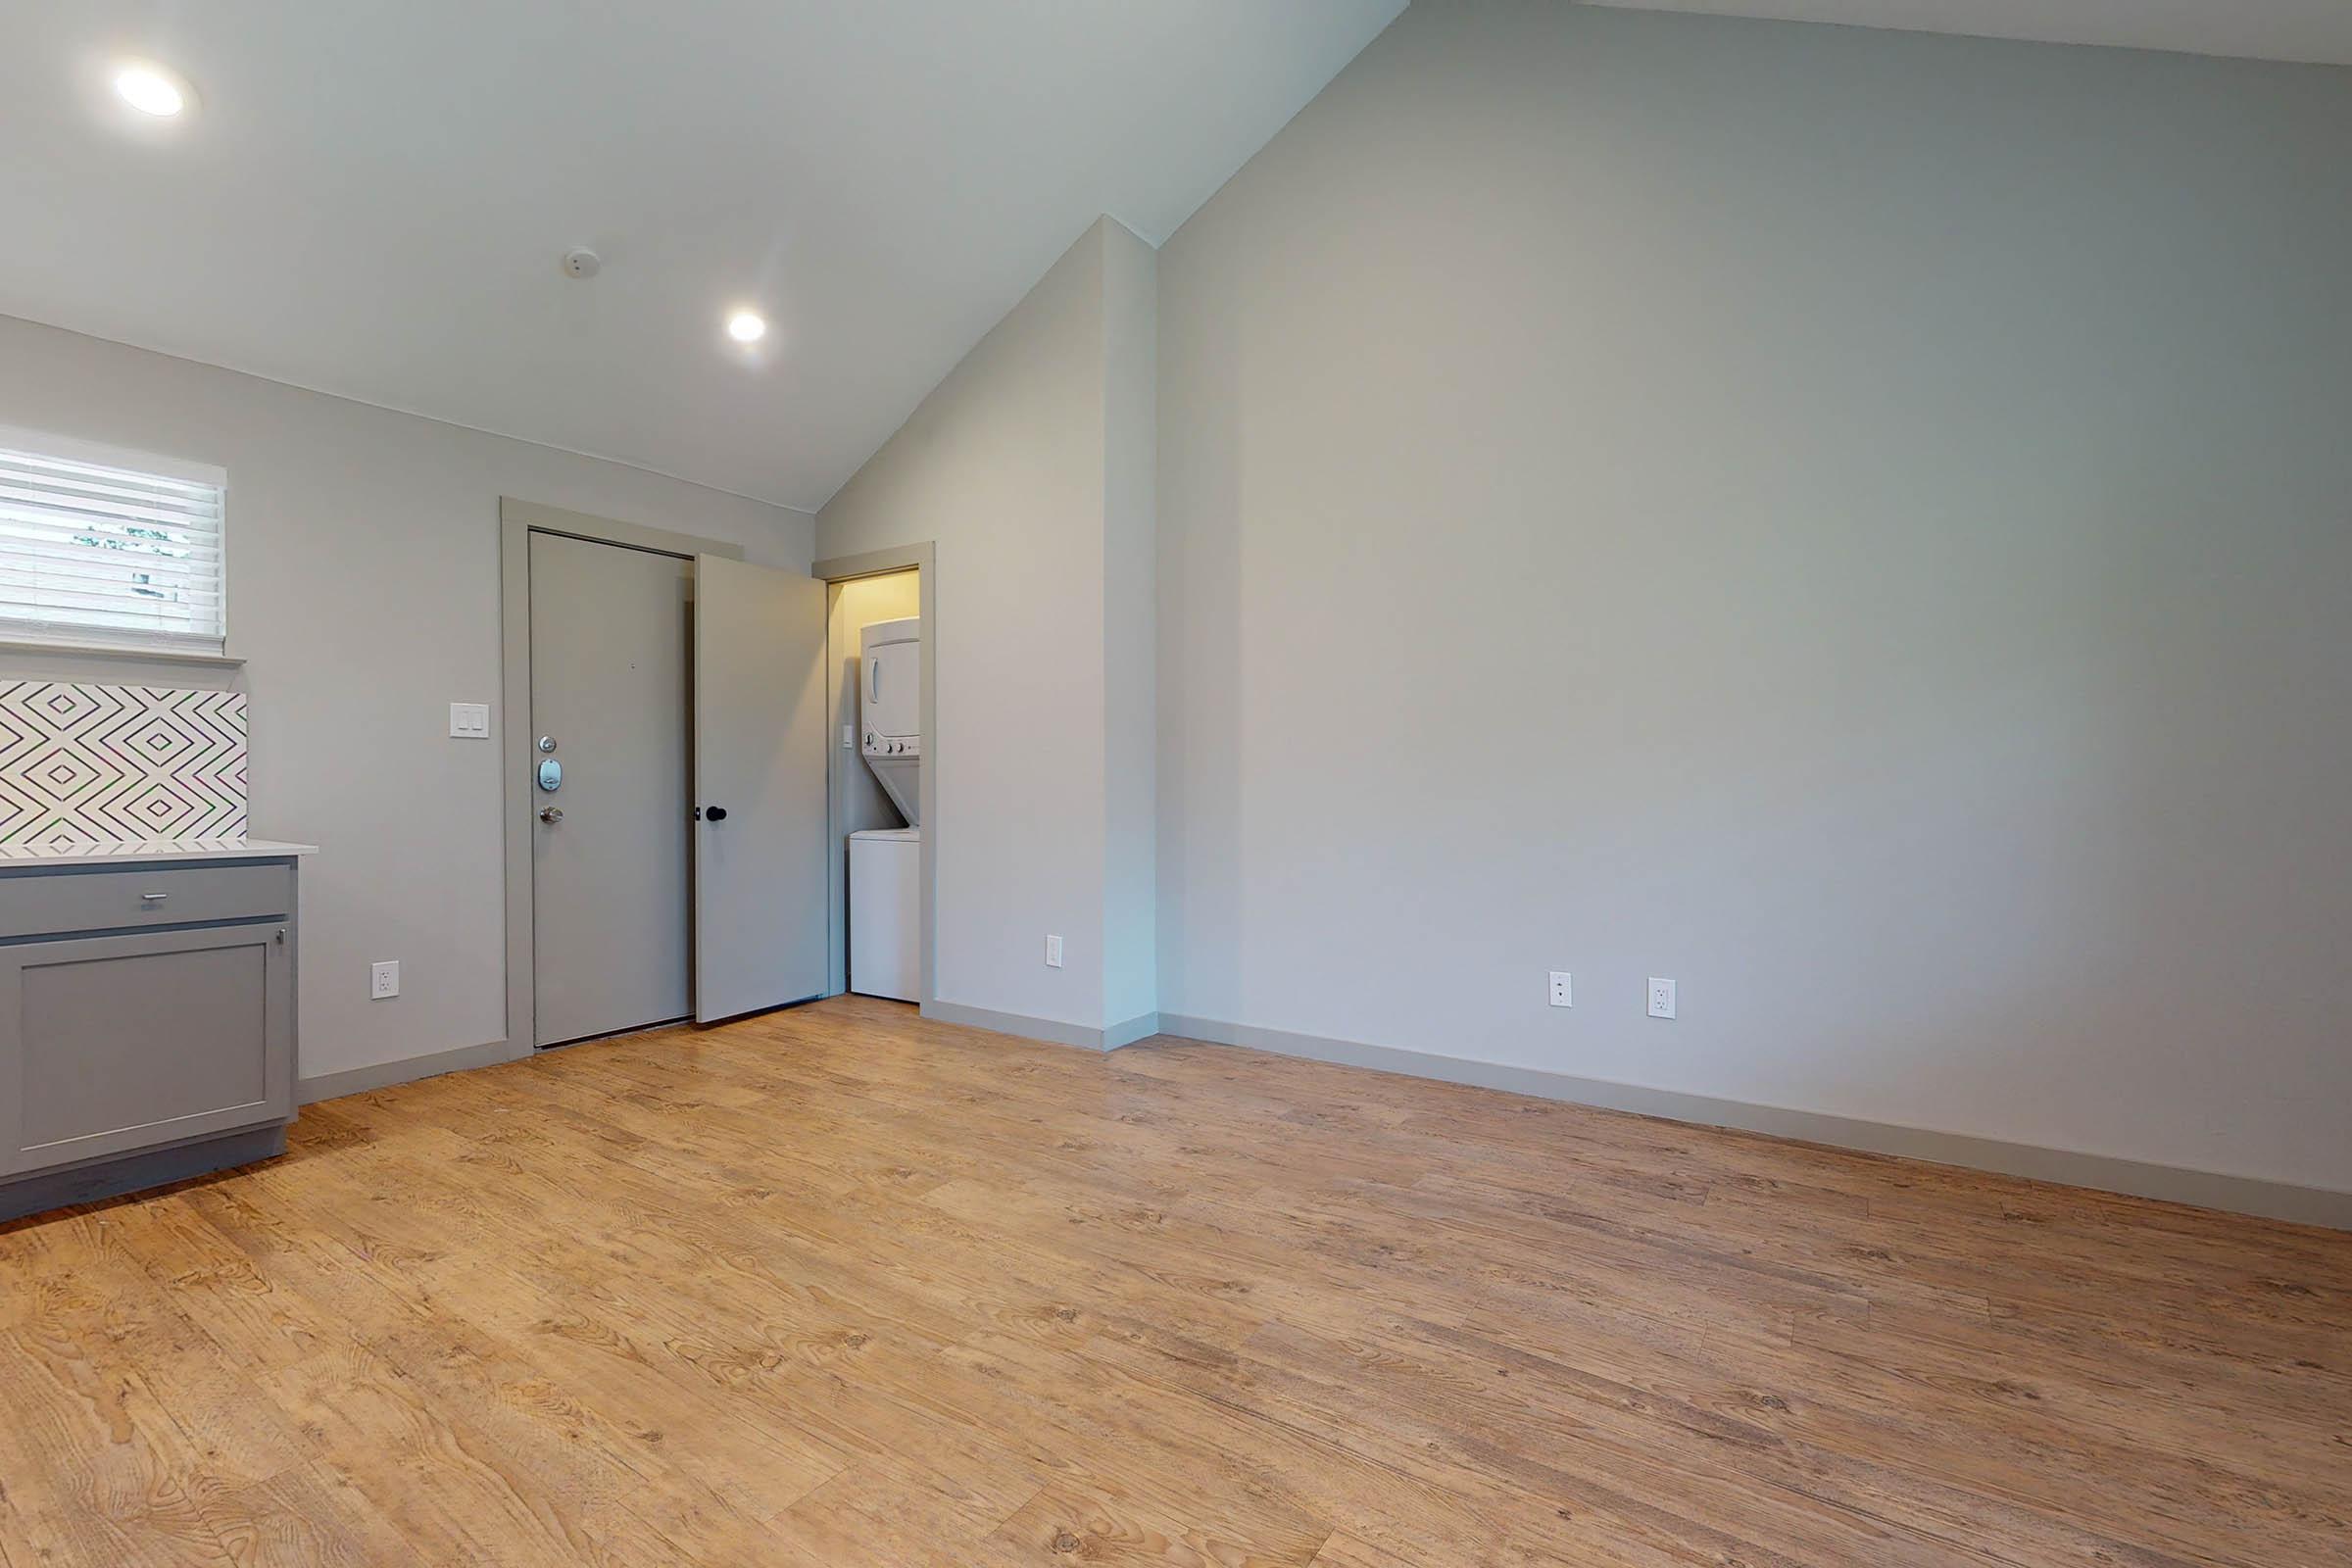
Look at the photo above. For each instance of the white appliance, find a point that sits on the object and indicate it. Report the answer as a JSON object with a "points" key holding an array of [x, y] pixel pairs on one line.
{"points": [[886, 896], [890, 702], [886, 881]]}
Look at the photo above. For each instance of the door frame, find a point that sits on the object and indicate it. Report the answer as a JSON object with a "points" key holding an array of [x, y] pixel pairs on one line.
{"points": [[518, 520], [923, 557]]}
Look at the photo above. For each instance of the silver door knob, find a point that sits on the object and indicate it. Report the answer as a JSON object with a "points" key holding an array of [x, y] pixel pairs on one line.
{"points": [[551, 814]]}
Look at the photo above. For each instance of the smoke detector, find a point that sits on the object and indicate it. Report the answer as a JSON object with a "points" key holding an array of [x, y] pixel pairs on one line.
{"points": [[581, 263]]}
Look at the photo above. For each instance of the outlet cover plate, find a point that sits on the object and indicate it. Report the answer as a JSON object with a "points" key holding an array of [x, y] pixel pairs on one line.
{"points": [[1661, 997]]}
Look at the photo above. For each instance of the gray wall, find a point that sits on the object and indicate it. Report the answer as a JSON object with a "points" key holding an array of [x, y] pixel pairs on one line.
{"points": [[1858, 522], [1029, 466], [1130, 602], [1001, 467], [363, 594]]}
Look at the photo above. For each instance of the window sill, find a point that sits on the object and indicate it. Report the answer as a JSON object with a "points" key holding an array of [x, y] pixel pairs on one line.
{"points": [[135, 656]]}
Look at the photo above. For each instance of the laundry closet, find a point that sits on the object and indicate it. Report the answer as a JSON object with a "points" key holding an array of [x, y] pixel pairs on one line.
{"points": [[874, 635]]}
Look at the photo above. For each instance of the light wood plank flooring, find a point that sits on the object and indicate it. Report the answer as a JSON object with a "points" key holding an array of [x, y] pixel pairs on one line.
{"points": [[839, 1287]]}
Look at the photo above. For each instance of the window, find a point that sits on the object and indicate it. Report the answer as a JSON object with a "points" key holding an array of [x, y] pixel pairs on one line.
{"points": [[102, 549]]}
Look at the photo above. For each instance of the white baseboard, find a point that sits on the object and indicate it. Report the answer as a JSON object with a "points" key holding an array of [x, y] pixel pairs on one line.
{"points": [[2306, 1205], [1014, 1023], [1143, 1026], [1140, 1027], [406, 1070]]}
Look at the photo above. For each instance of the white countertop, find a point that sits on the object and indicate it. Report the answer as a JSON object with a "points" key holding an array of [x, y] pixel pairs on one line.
{"points": [[146, 851]]}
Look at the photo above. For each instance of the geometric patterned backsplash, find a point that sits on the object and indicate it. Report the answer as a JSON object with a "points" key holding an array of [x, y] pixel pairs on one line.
{"points": [[83, 764]]}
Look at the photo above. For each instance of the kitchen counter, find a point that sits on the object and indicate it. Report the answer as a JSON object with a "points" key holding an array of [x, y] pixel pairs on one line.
{"points": [[148, 851], [147, 1018]]}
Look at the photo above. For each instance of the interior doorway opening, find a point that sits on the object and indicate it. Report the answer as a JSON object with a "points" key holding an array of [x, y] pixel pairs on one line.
{"points": [[881, 842]]}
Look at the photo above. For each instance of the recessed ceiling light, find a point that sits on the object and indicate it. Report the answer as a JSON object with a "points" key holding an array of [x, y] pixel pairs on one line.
{"points": [[746, 326], [151, 90]]}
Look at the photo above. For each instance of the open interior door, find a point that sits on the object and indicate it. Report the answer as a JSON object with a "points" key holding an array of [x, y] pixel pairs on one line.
{"points": [[759, 781]]}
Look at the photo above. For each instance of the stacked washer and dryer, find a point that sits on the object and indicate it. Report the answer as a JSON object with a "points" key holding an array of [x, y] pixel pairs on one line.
{"points": [[886, 880]]}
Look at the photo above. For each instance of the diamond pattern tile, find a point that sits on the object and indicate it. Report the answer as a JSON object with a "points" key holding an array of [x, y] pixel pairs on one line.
{"points": [[85, 764]]}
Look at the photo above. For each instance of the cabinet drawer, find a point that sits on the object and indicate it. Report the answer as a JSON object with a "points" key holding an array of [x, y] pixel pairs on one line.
{"points": [[58, 901]]}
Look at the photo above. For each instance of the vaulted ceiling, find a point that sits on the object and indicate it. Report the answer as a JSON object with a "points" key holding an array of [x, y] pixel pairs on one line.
{"points": [[374, 199], [2317, 32]]}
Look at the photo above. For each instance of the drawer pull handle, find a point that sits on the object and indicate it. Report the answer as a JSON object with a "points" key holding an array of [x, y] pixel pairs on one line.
{"points": [[153, 898]]}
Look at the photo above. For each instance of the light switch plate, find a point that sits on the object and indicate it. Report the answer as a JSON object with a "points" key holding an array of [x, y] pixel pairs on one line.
{"points": [[470, 722], [1054, 952]]}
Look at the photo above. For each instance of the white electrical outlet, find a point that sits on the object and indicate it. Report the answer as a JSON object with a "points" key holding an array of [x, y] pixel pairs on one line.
{"points": [[1561, 996], [470, 722], [383, 980], [1661, 997], [1054, 952]]}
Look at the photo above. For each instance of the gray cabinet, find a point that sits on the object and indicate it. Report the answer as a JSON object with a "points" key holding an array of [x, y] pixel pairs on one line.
{"points": [[147, 1025], [115, 898]]}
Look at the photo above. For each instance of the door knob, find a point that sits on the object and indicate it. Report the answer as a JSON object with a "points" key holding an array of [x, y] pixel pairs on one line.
{"points": [[551, 814], [715, 814]]}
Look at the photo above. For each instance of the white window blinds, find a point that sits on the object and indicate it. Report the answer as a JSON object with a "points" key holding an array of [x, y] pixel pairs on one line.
{"points": [[97, 552]]}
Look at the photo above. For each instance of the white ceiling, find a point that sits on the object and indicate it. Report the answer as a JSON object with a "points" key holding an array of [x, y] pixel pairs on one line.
{"points": [[2313, 30], [372, 200]]}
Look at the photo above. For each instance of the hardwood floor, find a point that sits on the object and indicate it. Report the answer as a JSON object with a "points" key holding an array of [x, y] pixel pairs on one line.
{"points": [[839, 1286]]}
